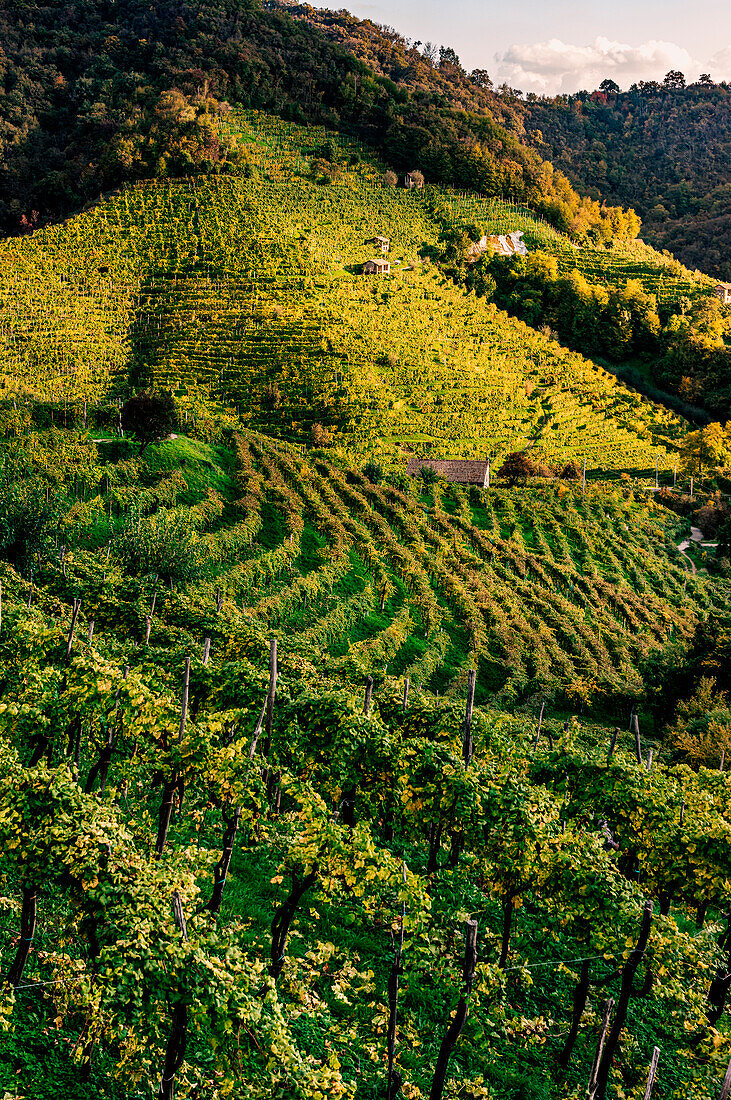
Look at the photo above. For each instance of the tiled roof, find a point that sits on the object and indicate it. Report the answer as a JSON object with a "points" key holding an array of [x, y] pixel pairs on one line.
{"points": [[467, 471]]}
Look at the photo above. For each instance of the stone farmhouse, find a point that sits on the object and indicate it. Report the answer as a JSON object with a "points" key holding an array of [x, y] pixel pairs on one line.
{"points": [[380, 242]]}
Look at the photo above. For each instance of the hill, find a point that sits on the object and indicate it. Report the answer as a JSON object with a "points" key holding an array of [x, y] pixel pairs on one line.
{"points": [[223, 893], [663, 149], [100, 93], [250, 290]]}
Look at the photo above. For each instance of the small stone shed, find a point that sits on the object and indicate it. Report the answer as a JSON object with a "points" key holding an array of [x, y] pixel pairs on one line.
{"points": [[412, 180], [464, 471], [723, 291], [380, 242], [376, 267]]}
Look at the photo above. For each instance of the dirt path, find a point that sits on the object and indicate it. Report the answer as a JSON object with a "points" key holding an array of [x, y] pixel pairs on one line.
{"points": [[695, 536]]}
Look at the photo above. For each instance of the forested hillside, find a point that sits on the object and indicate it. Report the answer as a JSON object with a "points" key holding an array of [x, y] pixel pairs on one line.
{"points": [[664, 149], [97, 93]]}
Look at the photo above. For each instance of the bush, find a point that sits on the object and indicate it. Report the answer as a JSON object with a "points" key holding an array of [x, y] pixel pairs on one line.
{"points": [[319, 436], [390, 178], [427, 475], [571, 471], [166, 544], [374, 472], [150, 417]]}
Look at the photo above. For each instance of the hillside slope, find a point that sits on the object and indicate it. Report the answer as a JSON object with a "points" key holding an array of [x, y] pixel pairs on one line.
{"points": [[251, 290], [133, 736], [664, 150]]}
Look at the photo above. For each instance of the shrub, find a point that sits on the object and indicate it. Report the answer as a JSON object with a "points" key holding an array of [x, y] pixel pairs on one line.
{"points": [[427, 475], [319, 436], [374, 472], [166, 544], [390, 179], [150, 417], [571, 471]]}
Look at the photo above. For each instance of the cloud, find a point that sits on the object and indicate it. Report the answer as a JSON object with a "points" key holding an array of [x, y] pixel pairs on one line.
{"points": [[559, 67]]}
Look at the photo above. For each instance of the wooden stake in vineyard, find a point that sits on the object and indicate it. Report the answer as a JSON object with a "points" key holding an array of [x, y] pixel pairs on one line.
{"points": [[394, 1078], [726, 1086], [652, 1074], [368, 695], [177, 1043], [458, 1020], [467, 742], [608, 1009], [271, 695], [638, 743]]}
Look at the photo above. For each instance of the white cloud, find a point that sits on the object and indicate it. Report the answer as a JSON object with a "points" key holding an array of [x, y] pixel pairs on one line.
{"points": [[559, 67]]}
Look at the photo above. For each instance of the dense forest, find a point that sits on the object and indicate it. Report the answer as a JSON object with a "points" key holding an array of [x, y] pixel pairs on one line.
{"points": [[97, 93], [663, 148]]}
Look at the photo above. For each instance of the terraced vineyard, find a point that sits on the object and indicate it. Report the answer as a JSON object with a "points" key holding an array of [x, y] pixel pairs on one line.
{"points": [[250, 290], [538, 588]]}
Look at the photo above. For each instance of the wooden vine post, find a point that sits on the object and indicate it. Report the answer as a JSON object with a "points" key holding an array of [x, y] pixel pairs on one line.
{"points": [[394, 1080], [368, 695], [206, 650], [406, 694], [455, 1028], [638, 743], [652, 1074], [613, 743], [271, 696], [608, 1009], [177, 1043], [726, 1086], [467, 742], [626, 992], [172, 784]]}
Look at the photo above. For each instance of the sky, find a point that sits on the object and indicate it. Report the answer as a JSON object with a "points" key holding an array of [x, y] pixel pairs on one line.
{"points": [[552, 46]]}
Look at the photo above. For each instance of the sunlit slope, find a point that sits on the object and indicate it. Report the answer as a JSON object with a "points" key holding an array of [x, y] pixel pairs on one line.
{"points": [[250, 289]]}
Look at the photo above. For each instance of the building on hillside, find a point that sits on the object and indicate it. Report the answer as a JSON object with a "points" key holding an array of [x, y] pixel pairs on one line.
{"points": [[723, 291], [413, 179], [376, 267], [380, 242], [465, 471], [509, 244]]}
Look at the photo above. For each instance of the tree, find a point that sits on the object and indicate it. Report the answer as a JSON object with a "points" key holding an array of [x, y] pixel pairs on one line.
{"points": [[390, 179], [518, 466], [705, 79], [319, 436], [609, 87], [150, 417], [708, 448], [674, 79], [481, 78]]}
